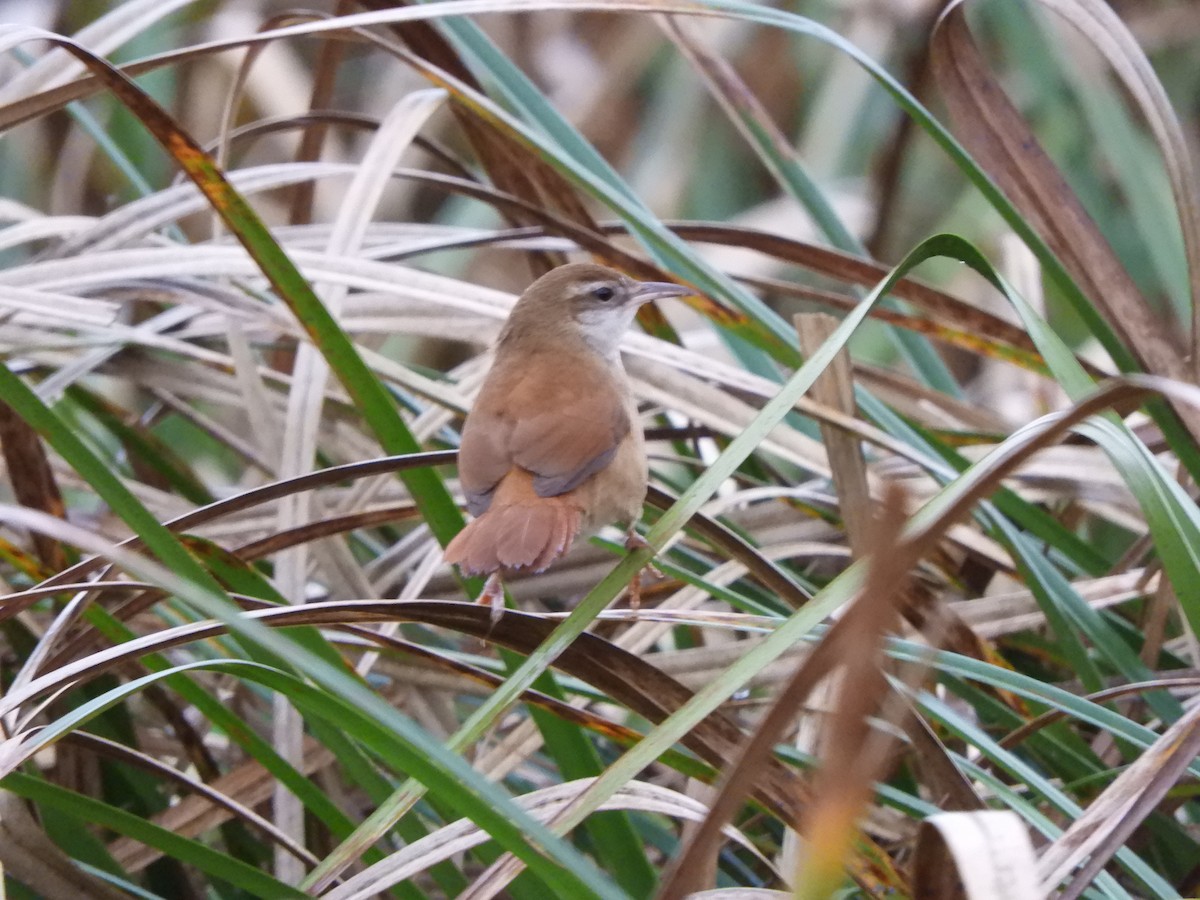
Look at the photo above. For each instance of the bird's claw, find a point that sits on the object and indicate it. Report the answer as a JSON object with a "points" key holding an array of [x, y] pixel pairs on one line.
{"points": [[493, 595], [634, 541]]}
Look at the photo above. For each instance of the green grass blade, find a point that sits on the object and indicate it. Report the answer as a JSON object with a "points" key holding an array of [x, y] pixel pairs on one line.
{"points": [[90, 811]]}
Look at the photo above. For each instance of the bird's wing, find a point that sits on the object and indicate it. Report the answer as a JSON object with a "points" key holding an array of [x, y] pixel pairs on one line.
{"points": [[483, 457], [563, 447], [562, 420]]}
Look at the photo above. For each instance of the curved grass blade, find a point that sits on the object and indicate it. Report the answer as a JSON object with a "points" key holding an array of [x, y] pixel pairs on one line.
{"points": [[1108, 33], [1045, 787], [198, 789], [1131, 797], [944, 509], [753, 122], [1172, 516], [671, 521], [1011, 154], [452, 779], [88, 810], [578, 149], [369, 395], [660, 242]]}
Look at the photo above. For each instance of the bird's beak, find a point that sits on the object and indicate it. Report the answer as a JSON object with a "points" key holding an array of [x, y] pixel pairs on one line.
{"points": [[645, 291]]}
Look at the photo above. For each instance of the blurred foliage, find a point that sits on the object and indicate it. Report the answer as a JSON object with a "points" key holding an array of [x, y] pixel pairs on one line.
{"points": [[247, 297]]}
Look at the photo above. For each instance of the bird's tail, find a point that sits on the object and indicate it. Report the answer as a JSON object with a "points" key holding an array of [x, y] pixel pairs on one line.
{"points": [[519, 530]]}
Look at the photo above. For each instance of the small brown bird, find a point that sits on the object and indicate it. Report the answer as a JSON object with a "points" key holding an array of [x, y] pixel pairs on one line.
{"points": [[552, 449]]}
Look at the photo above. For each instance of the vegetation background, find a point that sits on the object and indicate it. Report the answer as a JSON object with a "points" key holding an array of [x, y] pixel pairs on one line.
{"points": [[247, 290]]}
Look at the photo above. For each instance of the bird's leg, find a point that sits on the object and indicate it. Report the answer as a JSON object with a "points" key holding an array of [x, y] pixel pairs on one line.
{"points": [[634, 541], [493, 595]]}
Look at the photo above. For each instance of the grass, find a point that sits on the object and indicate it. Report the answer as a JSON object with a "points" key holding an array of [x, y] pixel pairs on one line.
{"points": [[927, 608]]}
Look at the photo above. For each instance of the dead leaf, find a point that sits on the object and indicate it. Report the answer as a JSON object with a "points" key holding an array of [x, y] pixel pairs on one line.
{"points": [[996, 135]]}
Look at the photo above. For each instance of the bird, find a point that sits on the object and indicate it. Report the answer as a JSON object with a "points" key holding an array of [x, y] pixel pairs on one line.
{"points": [[551, 450]]}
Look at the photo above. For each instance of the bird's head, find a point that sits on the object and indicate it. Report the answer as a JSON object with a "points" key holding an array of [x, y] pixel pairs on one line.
{"points": [[593, 301]]}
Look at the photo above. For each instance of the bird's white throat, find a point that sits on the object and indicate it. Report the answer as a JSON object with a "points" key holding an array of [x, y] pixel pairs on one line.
{"points": [[603, 328]]}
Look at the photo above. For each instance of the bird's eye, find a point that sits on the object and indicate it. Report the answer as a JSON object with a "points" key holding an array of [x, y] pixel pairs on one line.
{"points": [[603, 293]]}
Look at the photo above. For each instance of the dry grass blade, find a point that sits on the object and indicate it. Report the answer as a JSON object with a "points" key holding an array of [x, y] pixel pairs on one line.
{"points": [[949, 310], [1114, 816], [841, 643], [28, 854], [1002, 143], [949, 788], [735, 547], [32, 480], [324, 527], [509, 164], [329, 57], [1018, 735], [975, 856], [305, 421], [167, 356], [624, 676], [224, 795], [545, 804], [1107, 32], [852, 753], [835, 388]]}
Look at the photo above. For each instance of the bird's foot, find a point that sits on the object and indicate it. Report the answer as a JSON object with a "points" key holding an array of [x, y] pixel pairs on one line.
{"points": [[634, 541], [493, 595]]}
